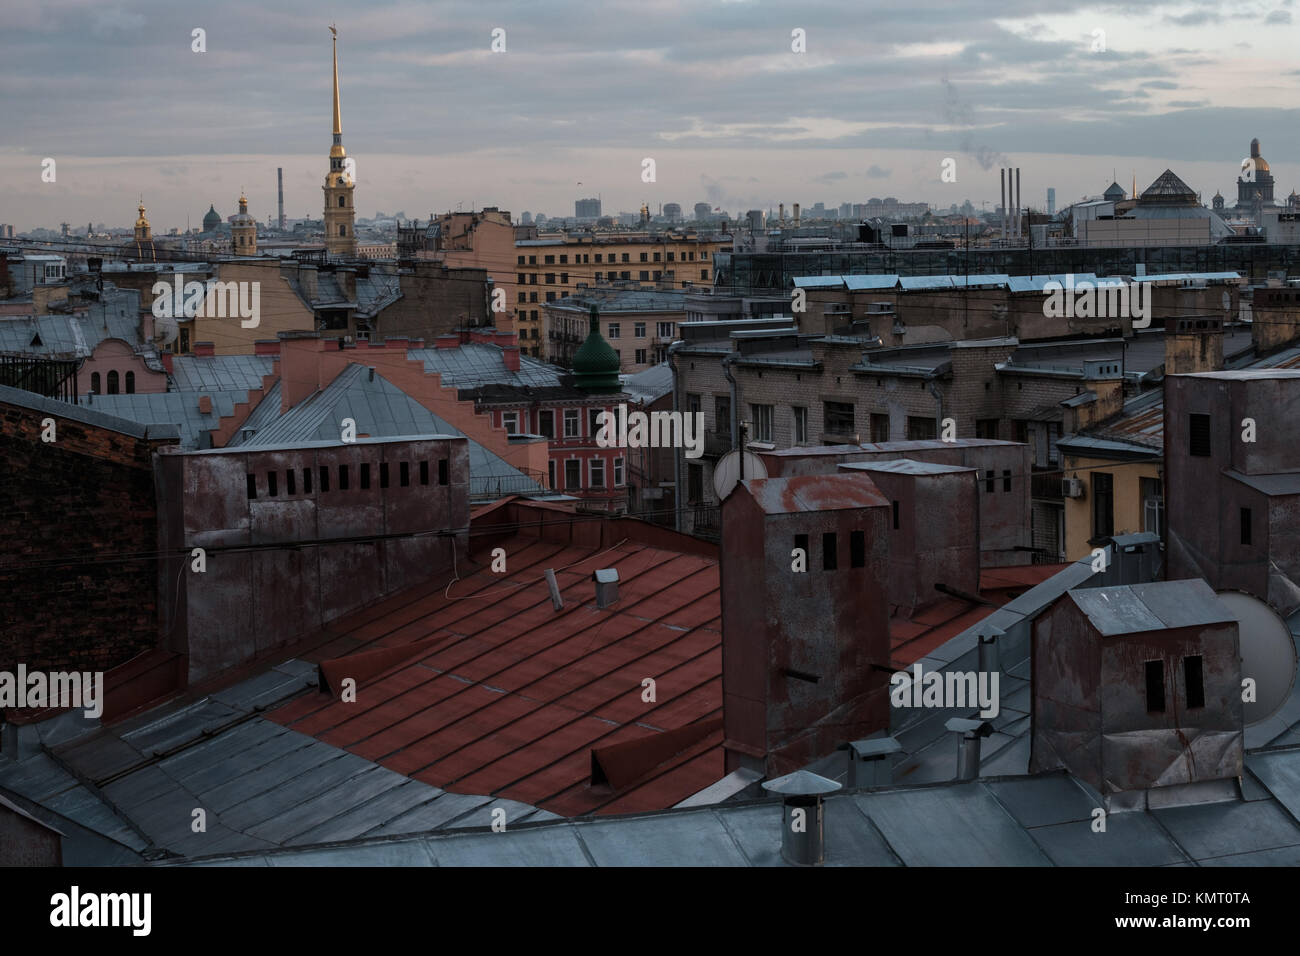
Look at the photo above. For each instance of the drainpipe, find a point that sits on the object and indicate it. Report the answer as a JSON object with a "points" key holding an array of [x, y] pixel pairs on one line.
{"points": [[727, 362], [678, 485], [938, 401]]}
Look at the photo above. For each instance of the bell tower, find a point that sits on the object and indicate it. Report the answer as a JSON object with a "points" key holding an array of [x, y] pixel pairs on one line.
{"points": [[340, 212]]}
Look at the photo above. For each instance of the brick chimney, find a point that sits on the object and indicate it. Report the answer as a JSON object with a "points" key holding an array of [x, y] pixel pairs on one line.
{"points": [[1275, 318], [204, 350], [205, 404], [299, 365], [511, 358], [1193, 344], [166, 359]]}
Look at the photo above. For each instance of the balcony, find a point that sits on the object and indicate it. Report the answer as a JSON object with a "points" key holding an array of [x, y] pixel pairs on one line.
{"points": [[717, 444]]}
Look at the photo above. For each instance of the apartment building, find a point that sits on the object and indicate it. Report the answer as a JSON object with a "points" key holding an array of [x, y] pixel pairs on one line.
{"points": [[638, 323]]}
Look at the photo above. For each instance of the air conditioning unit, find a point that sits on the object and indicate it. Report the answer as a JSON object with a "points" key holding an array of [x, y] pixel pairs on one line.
{"points": [[1072, 487]]}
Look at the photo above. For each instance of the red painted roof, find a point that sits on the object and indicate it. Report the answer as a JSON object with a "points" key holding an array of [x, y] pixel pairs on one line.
{"points": [[938, 622], [500, 694]]}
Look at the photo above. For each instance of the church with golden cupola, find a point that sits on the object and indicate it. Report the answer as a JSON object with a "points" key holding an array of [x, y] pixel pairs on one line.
{"points": [[243, 230], [144, 248], [340, 209]]}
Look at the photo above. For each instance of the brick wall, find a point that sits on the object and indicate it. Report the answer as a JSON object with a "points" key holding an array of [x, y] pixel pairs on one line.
{"points": [[90, 492]]}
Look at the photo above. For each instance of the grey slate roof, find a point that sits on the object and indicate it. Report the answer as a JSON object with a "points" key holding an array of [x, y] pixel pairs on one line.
{"points": [[650, 384], [262, 786], [381, 410], [97, 416]]}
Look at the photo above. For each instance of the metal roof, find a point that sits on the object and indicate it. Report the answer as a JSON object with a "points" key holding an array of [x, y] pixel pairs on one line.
{"points": [[1160, 605], [501, 694], [380, 410], [473, 364], [650, 384], [1279, 485], [96, 416], [904, 466], [180, 409], [134, 786], [217, 373], [777, 496], [861, 283]]}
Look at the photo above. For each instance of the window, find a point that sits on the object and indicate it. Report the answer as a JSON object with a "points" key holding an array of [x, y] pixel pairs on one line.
{"points": [[879, 427], [404, 474], [324, 478], [762, 416], [1006, 479], [613, 330], [801, 543], [1103, 504], [572, 474], [645, 276], [442, 471], [986, 428], [638, 329], [829, 562], [342, 203], [571, 423], [564, 260], [921, 429], [550, 278], [365, 476], [550, 297], [523, 279], [618, 472], [521, 261], [1245, 526], [343, 477], [112, 382], [252, 486], [722, 415], [288, 481], [598, 473], [799, 414], [593, 421], [1053, 435], [130, 383], [94, 383], [857, 549], [306, 481], [838, 418], [523, 296], [664, 330], [1194, 679], [694, 485], [424, 472], [598, 257], [644, 257], [640, 357], [550, 260], [670, 257], [988, 482], [1153, 505], [625, 257], [550, 473], [1155, 687], [1198, 435], [546, 423], [564, 278], [895, 504], [532, 260], [626, 275], [704, 273], [510, 421], [343, 230]]}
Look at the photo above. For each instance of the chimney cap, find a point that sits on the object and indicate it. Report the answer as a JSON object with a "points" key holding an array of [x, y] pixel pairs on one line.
{"points": [[801, 783], [875, 747], [971, 728], [605, 576]]}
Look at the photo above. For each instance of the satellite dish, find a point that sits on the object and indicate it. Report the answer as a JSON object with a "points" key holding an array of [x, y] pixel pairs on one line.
{"points": [[727, 471], [1268, 654]]}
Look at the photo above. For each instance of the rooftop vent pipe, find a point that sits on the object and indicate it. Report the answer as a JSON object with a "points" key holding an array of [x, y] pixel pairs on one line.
{"points": [[869, 763], [606, 586], [557, 602], [968, 745], [802, 838]]}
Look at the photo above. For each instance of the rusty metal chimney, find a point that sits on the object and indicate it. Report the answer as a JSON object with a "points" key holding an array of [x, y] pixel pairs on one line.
{"points": [[606, 586], [803, 841], [869, 762], [990, 658], [557, 601], [968, 745]]}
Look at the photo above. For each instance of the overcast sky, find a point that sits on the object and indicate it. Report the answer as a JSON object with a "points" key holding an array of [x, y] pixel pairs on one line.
{"points": [[710, 89]]}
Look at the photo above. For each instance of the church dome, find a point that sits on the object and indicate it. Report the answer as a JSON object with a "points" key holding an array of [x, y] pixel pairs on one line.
{"points": [[212, 219], [596, 364]]}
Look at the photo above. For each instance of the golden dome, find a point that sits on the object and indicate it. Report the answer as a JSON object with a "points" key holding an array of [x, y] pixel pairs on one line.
{"points": [[141, 221]]}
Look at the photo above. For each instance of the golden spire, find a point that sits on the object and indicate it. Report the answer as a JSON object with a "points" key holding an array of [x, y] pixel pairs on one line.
{"points": [[338, 124]]}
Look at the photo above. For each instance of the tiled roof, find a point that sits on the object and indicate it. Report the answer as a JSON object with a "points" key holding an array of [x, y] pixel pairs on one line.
{"points": [[493, 691]]}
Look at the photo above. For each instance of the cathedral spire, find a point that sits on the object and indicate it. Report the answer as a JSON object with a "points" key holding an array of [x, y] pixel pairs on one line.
{"points": [[338, 123]]}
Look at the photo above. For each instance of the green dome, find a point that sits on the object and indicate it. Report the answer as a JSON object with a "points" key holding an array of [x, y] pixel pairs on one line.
{"points": [[596, 364], [212, 220]]}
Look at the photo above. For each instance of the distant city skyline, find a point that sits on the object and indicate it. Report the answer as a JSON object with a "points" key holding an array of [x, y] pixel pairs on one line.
{"points": [[435, 119]]}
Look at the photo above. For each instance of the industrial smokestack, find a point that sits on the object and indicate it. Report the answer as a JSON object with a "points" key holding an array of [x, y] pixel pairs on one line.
{"points": [[796, 215], [1018, 201], [780, 213], [279, 188], [1002, 178]]}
